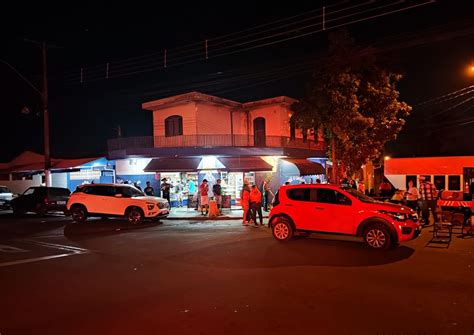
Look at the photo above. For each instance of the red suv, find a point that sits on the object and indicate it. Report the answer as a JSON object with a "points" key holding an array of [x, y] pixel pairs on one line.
{"points": [[340, 210]]}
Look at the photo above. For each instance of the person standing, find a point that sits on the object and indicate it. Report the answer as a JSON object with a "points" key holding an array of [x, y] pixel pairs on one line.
{"points": [[245, 201], [361, 187], [191, 187], [165, 190], [256, 205], [412, 195], [148, 189], [385, 188], [428, 200], [179, 193], [204, 191], [266, 192], [353, 184], [217, 190], [137, 185]]}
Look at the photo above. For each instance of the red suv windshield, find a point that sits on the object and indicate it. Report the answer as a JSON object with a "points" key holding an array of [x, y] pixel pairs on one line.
{"points": [[358, 195]]}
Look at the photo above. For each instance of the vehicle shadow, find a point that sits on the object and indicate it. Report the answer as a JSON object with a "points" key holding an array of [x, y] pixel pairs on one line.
{"points": [[29, 224], [99, 227], [268, 253]]}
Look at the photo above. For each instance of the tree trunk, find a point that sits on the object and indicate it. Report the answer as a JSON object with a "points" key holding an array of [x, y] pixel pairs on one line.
{"points": [[333, 158], [343, 170]]}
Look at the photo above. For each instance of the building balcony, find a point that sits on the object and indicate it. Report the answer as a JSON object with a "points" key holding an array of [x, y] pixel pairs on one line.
{"points": [[212, 144]]}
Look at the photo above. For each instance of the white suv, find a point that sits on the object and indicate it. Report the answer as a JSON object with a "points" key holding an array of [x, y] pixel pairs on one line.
{"points": [[115, 200]]}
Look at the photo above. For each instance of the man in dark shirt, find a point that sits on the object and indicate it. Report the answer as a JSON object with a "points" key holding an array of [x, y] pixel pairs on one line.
{"points": [[165, 190], [217, 190], [148, 189]]}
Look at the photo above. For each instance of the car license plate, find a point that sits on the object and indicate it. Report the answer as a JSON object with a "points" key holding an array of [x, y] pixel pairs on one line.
{"points": [[61, 202]]}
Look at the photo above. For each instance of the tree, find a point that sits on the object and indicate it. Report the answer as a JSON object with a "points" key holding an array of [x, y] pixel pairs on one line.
{"points": [[354, 101]]}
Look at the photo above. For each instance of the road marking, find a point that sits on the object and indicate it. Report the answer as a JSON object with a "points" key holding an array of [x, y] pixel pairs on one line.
{"points": [[31, 260], [57, 246], [72, 251], [10, 249]]}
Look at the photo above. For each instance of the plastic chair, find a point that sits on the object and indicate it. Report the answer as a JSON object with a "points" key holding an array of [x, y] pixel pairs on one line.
{"points": [[443, 228], [468, 227]]}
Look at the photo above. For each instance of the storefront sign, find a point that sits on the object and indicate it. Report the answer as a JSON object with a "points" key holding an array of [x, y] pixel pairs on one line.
{"points": [[85, 175]]}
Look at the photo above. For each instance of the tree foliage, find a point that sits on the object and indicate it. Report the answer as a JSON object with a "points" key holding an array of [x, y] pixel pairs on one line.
{"points": [[354, 100]]}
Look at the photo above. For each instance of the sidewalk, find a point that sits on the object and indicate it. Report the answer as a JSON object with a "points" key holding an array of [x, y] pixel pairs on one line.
{"points": [[183, 213]]}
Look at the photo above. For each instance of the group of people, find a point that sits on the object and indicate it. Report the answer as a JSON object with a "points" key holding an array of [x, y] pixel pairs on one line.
{"points": [[251, 199], [178, 188], [203, 201], [421, 199]]}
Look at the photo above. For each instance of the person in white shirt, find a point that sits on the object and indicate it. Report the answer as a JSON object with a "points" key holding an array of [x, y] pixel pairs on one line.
{"points": [[412, 195]]}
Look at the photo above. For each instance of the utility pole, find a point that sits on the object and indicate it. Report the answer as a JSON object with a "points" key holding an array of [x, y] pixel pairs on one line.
{"points": [[47, 153], [44, 100]]}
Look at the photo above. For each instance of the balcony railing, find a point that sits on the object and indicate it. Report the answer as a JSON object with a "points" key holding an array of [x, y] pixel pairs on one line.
{"points": [[210, 141]]}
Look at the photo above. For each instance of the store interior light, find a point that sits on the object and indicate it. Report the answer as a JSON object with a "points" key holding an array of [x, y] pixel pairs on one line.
{"points": [[210, 163]]}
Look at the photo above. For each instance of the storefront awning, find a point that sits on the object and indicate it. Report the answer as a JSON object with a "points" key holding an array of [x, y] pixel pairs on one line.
{"points": [[245, 164], [306, 167], [73, 163], [173, 164]]}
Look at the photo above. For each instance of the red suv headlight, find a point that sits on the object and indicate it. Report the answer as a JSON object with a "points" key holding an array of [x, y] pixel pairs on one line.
{"points": [[394, 215]]}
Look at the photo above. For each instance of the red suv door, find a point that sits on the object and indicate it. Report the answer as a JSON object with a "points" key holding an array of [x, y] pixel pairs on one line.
{"points": [[300, 206], [335, 212]]}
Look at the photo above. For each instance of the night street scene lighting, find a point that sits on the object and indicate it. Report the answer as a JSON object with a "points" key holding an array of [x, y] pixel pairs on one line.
{"points": [[237, 168]]}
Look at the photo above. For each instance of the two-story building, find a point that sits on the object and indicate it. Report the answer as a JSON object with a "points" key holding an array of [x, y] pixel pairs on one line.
{"points": [[197, 136]]}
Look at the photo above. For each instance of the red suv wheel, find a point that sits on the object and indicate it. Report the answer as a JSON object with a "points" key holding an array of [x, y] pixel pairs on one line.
{"points": [[282, 229], [377, 236]]}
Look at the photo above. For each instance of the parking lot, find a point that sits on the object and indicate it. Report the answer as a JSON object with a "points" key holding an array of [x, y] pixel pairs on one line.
{"points": [[215, 277]]}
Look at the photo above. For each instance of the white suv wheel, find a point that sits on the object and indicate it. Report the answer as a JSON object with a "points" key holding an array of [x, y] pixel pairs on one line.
{"points": [[135, 215]]}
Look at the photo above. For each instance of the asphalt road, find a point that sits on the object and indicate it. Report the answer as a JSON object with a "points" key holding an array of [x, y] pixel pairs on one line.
{"points": [[178, 277]]}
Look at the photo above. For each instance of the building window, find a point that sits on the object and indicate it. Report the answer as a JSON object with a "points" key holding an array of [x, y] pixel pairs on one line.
{"points": [[440, 182], [173, 126], [259, 132], [454, 183]]}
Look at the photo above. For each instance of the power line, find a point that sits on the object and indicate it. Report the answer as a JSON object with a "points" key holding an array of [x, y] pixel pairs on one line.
{"points": [[268, 43], [200, 43], [448, 96], [171, 51]]}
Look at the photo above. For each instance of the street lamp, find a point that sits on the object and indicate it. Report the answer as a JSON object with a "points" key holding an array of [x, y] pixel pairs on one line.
{"points": [[44, 100], [470, 70]]}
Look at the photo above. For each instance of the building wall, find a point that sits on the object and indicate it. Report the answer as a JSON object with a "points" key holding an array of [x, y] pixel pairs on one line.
{"points": [[213, 119], [276, 120], [59, 179], [187, 111], [20, 186], [240, 122], [205, 119]]}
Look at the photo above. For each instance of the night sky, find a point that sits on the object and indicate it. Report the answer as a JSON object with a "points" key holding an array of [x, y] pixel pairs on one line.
{"points": [[431, 44]]}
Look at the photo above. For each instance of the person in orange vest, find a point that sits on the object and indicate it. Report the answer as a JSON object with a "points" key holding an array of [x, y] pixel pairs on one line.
{"points": [[245, 201], [256, 205]]}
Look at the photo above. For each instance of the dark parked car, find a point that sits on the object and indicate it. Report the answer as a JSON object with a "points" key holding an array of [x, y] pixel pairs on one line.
{"points": [[6, 197], [41, 200]]}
